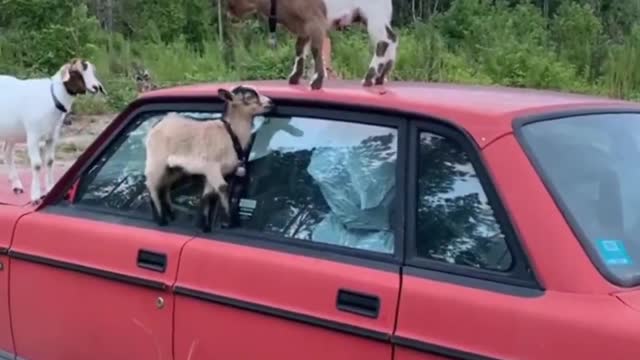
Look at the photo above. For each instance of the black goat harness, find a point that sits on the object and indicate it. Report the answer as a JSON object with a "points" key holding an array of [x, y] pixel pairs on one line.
{"points": [[57, 102], [240, 153]]}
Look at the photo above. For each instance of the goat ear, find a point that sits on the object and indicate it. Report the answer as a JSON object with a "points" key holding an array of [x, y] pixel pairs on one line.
{"points": [[225, 94], [65, 72]]}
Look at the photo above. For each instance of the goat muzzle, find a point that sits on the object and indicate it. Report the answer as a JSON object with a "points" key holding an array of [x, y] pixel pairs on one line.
{"points": [[98, 88]]}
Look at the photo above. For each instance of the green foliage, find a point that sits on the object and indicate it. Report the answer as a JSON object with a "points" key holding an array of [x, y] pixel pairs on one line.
{"points": [[578, 35], [41, 32], [590, 46]]}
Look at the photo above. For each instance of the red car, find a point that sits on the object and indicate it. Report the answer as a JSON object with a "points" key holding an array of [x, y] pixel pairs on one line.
{"points": [[415, 221]]}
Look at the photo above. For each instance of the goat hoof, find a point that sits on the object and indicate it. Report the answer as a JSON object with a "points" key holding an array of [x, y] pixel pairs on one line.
{"points": [[379, 81], [203, 224], [294, 79], [18, 191], [316, 85], [367, 83]]}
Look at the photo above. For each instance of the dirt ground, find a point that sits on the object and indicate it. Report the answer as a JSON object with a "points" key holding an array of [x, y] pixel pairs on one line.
{"points": [[74, 139]]}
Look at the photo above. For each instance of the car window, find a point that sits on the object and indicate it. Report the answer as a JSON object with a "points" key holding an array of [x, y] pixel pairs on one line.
{"points": [[455, 223], [116, 183], [590, 162], [322, 180]]}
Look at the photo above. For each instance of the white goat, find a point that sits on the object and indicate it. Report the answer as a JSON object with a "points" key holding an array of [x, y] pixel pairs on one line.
{"points": [[310, 20], [33, 110], [215, 149]]}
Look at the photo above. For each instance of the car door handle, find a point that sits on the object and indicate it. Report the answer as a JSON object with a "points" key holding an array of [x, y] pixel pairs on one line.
{"points": [[358, 303], [152, 260]]}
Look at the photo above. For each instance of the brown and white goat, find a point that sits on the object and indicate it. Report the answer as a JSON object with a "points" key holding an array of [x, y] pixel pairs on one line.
{"points": [[311, 20], [177, 145]]}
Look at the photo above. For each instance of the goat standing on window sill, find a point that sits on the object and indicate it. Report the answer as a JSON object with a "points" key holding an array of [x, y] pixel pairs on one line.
{"points": [[177, 145], [33, 110], [311, 20]]}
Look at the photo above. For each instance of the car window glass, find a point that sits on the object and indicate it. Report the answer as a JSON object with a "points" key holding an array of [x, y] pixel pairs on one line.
{"points": [[455, 223], [590, 163], [115, 182], [323, 181]]}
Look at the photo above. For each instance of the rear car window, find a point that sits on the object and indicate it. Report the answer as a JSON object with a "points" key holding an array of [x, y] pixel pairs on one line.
{"points": [[322, 180], [591, 165]]}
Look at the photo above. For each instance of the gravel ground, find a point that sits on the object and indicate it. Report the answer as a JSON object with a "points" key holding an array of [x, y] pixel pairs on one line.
{"points": [[74, 139]]}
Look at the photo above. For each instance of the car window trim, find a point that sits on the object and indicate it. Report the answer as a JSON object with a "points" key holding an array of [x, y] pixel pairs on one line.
{"points": [[522, 273], [518, 124], [358, 116]]}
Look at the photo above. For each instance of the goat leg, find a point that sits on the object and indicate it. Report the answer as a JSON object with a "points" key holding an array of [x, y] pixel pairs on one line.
{"points": [[205, 212], [33, 150], [16, 184], [165, 203], [298, 65], [49, 157], [383, 59], [316, 50], [157, 214]]}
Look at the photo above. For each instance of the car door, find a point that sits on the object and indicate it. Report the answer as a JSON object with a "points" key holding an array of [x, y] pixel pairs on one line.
{"points": [[9, 214], [91, 277], [466, 282], [308, 268]]}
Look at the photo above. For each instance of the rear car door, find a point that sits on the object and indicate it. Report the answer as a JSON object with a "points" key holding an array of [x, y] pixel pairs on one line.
{"points": [[91, 276], [467, 283], [308, 268]]}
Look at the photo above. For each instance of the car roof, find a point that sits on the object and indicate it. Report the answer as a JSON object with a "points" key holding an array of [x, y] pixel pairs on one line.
{"points": [[486, 112]]}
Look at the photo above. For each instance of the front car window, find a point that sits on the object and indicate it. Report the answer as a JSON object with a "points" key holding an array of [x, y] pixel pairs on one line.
{"points": [[116, 183], [591, 165]]}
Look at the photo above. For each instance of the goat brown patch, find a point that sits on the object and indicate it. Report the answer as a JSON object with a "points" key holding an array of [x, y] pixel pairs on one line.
{"points": [[75, 85], [390, 34], [381, 48]]}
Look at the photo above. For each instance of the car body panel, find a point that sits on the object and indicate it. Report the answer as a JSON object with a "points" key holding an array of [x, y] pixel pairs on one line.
{"points": [[554, 268], [78, 280], [9, 215], [279, 305], [630, 298], [499, 325]]}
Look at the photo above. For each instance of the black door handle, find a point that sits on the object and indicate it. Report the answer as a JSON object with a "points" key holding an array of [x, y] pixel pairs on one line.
{"points": [[358, 303], [152, 260]]}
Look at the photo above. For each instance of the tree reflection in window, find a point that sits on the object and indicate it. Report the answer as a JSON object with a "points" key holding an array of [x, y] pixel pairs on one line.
{"points": [[324, 181], [116, 180], [455, 223]]}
